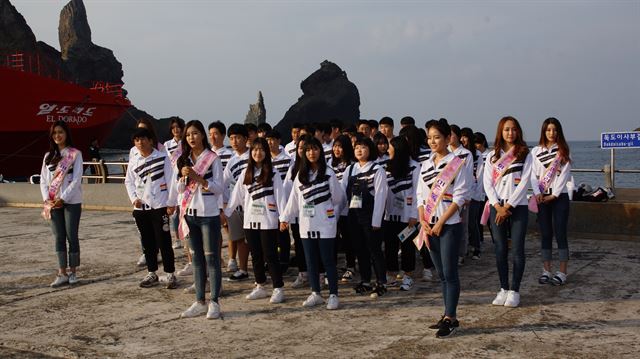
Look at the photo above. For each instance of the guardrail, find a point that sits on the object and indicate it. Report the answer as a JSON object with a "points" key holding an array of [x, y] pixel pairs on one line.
{"points": [[609, 175], [100, 172]]}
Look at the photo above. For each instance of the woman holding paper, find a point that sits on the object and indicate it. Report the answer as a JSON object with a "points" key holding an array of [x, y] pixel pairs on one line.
{"points": [[549, 176], [507, 174], [401, 212], [200, 185], [442, 190], [60, 185]]}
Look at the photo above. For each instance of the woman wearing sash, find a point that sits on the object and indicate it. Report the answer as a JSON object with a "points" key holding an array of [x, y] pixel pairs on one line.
{"points": [[200, 187], [316, 200], [60, 185], [442, 191], [261, 194], [550, 173], [507, 174]]}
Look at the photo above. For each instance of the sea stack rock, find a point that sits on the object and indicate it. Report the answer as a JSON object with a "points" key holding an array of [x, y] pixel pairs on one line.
{"points": [[257, 113], [326, 94], [15, 34], [85, 61]]}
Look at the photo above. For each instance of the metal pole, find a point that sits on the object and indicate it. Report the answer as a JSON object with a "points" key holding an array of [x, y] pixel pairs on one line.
{"points": [[613, 168]]}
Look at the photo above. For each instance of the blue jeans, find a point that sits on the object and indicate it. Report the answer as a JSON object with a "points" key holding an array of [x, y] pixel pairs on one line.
{"points": [[444, 253], [552, 219], [517, 222], [64, 225], [323, 248], [204, 241]]}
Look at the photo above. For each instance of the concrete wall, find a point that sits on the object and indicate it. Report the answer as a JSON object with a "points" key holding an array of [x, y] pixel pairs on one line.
{"points": [[618, 220]]}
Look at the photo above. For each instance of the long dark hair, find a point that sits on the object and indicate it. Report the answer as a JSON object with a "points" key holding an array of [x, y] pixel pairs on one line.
{"points": [[347, 150], [184, 160], [414, 139], [305, 166], [521, 150], [468, 133], [398, 166], [563, 147], [54, 156], [266, 170], [151, 127], [176, 121], [298, 161]]}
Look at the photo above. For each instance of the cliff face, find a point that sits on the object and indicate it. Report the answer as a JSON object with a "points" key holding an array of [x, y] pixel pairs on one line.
{"points": [[15, 34], [326, 94], [257, 113], [85, 61]]}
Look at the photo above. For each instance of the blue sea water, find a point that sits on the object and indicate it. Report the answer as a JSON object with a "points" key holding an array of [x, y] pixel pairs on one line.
{"points": [[588, 154]]}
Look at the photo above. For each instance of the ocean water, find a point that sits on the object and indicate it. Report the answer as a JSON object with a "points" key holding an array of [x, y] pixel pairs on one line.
{"points": [[589, 155], [585, 155]]}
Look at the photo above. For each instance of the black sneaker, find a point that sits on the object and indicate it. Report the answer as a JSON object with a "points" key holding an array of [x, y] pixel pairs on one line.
{"points": [[379, 290], [446, 329], [455, 323], [149, 281], [361, 288], [238, 276]]}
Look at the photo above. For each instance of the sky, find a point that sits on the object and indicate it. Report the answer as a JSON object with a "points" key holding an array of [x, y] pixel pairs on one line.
{"points": [[471, 62]]}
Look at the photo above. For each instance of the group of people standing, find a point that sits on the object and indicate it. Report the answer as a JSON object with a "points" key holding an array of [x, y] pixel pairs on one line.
{"points": [[358, 189]]}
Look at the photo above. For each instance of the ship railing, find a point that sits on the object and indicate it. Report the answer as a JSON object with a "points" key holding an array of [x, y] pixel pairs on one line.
{"points": [[31, 62], [99, 173], [109, 88]]}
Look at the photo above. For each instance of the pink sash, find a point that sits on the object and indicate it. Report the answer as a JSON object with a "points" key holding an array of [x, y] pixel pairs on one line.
{"points": [[438, 189], [498, 170], [200, 167], [545, 182], [58, 177], [175, 155]]}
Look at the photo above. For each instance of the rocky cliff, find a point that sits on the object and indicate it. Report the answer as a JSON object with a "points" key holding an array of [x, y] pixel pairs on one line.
{"points": [[326, 94], [85, 61], [257, 113]]}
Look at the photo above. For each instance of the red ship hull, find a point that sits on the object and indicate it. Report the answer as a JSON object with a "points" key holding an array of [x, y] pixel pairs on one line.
{"points": [[31, 103]]}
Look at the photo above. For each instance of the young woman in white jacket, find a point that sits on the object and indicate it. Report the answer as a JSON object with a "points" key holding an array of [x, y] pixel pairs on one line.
{"points": [[260, 192], [316, 200], [507, 175], [61, 188]]}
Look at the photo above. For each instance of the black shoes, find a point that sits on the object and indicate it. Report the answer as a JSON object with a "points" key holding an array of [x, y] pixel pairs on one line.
{"points": [[361, 288], [447, 328], [455, 323]]}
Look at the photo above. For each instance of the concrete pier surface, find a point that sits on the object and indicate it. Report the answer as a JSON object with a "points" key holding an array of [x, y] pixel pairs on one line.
{"points": [[595, 315]]}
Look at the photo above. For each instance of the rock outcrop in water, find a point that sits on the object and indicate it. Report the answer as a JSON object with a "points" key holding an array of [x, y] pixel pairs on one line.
{"points": [[85, 61], [257, 113], [327, 94]]}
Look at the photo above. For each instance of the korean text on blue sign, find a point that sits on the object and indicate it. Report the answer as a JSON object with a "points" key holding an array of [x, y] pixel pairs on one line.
{"points": [[620, 140]]}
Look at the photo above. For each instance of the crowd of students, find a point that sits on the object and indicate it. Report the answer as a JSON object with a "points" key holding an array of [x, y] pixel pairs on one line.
{"points": [[360, 190]]}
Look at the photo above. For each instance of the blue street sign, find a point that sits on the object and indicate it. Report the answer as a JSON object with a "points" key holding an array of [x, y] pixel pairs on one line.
{"points": [[628, 139]]}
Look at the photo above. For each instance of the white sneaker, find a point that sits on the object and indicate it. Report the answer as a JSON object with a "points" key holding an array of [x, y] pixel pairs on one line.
{"points": [[257, 293], [186, 271], [407, 283], [301, 280], [177, 244], [333, 302], [513, 299], [60, 280], [277, 296], [190, 289], [196, 309], [501, 297], [427, 275], [312, 300], [214, 311], [142, 261], [73, 278], [232, 266]]}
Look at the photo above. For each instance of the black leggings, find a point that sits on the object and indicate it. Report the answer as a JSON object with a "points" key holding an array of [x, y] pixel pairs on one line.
{"points": [[263, 244], [368, 246], [345, 242]]}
